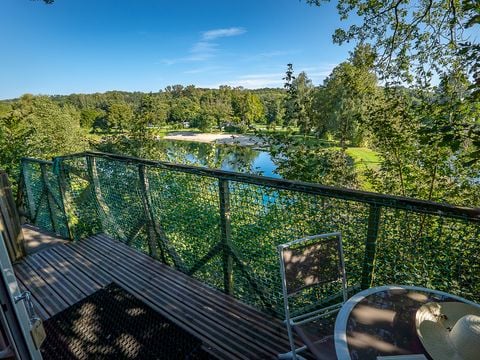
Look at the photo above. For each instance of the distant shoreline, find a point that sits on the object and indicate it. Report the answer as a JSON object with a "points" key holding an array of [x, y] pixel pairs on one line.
{"points": [[229, 139]]}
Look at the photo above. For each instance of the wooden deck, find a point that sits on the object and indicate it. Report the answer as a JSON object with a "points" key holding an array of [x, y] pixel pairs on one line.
{"points": [[61, 274]]}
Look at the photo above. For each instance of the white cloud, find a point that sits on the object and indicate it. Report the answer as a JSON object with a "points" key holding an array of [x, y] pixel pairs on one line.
{"points": [[202, 50], [208, 69], [275, 79], [255, 81], [218, 33], [205, 49]]}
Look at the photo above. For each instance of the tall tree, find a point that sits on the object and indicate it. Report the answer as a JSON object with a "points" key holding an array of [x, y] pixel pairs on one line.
{"points": [[291, 103], [119, 115], [342, 103]]}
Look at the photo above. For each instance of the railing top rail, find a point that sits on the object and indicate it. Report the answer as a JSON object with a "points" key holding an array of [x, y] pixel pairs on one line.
{"points": [[38, 161], [399, 202]]}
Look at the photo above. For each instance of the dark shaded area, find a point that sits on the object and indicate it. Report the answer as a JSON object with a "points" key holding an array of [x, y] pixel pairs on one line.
{"points": [[318, 336], [113, 324]]}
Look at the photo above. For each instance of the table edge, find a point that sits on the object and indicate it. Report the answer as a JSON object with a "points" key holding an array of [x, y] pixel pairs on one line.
{"points": [[340, 332]]}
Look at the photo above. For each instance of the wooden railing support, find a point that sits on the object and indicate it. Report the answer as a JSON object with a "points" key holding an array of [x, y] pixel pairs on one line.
{"points": [[370, 245], [10, 226], [226, 233]]}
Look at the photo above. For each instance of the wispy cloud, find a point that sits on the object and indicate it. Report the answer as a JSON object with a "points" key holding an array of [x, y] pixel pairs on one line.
{"points": [[275, 79], [219, 33], [255, 81], [268, 55], [208, 69], [205, 48]]}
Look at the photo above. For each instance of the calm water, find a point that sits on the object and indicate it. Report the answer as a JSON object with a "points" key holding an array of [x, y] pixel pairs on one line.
{"points": [[225, 157]]}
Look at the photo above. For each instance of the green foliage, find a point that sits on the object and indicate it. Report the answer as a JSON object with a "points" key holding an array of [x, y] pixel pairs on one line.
{"points": [[119, 116], [297, 160], [417, 42], [247, 108], [36, 126], [298, 100], [274, 110], [341, 104], [91, 118], [422, 156]]}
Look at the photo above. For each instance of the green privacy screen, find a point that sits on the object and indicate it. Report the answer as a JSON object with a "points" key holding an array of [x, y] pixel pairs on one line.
{"points": [[223, 228]]}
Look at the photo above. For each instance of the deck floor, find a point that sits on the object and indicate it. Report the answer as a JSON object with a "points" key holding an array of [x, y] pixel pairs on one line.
{"points": [[64, 273]]}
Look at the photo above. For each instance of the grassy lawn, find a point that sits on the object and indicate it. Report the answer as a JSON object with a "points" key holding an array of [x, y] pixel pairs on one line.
{"points": [[364, 157]]}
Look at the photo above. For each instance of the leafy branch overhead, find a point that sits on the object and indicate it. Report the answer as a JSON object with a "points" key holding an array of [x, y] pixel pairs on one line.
{"points": [[414, 40]]}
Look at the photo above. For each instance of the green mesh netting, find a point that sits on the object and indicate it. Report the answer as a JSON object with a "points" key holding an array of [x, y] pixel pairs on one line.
{"points": [[225, 231]]}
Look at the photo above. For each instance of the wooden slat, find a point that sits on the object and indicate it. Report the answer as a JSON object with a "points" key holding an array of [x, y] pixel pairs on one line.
{"points": [[84, 265], [231, 319], [37, 306], [84, 283], [40, 289], [57, 281], [163, 302], [223, 304]]}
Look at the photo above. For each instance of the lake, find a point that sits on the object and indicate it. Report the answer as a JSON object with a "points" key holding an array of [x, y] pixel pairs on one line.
{"points": [[225, 157]]}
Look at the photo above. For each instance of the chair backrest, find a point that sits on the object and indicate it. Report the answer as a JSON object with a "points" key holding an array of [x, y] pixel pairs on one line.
{"points": [[312, 261]]}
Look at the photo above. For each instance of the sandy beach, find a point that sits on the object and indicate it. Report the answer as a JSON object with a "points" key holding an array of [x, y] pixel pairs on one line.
{"points": [[230, 139]]}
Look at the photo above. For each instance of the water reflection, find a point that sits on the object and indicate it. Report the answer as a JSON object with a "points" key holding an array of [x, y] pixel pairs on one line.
{"points": [[215, 156]]}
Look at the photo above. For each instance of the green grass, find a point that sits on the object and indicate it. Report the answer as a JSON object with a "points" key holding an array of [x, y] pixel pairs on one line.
{"points": [[364, 157]]}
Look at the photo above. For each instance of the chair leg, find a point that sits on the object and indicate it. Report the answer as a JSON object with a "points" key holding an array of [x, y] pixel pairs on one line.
{"points": [[293, 354]]}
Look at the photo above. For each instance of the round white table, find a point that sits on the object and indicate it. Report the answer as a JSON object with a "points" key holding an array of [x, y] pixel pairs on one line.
{"points": [[381, 321]]}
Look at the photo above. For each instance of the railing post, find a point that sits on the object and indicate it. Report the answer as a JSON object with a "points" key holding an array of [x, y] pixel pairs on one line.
{"points": [[370, 245], [99, 199], [50, 201], [226, 234], [144, 188], [64, 200], [28, 192]]}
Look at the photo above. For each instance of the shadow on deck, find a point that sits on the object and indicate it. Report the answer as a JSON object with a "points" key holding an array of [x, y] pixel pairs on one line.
{"points": [[61, 273]]}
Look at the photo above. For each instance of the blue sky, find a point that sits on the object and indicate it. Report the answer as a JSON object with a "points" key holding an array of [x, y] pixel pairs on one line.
{"points": [[86, 46]]}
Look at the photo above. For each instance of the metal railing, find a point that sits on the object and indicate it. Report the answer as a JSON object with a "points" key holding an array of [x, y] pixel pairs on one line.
{"points": [[223, 227]]}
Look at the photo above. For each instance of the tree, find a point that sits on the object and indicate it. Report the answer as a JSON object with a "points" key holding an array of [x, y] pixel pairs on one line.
{"points": [[412, 39], [38, 127], [274, 110], [247, 108], [303, 92], [90, 116], [151, 112], [291, 104], [183, 109], [428, 133], [340, 107], [298, 100], [119, 115]]}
